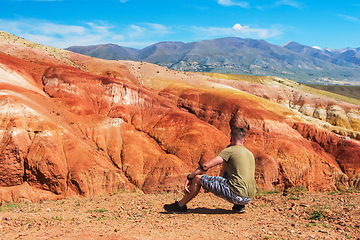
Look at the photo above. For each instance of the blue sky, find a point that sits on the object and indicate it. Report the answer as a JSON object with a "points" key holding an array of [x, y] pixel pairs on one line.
{"points": [[139, 23]]}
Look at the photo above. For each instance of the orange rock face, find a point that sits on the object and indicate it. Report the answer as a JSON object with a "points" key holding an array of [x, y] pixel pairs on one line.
{"points": [[72, 124]]}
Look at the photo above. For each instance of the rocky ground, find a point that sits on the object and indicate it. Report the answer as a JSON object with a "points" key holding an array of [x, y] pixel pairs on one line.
{"points": [[296, 215]]}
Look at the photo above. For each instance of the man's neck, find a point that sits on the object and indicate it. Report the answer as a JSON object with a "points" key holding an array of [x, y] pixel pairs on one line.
{"points": [[237, 143]]}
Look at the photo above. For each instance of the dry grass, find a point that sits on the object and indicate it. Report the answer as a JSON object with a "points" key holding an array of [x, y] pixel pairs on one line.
{"points": [[320, 91]]}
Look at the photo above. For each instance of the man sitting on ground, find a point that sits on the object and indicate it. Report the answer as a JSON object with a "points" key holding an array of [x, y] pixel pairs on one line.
{"points": [[239, 188]]}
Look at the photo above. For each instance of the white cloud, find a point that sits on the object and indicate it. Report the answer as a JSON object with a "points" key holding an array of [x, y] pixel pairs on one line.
{"points": [[59, 35], [135, 35], [262, 33], [36, 0], [148, 30], [291, 3], [233, 3], [238, 31], [137, 31], [349, 18], [279, 3], [159, 28], [90, 33], [238, 27]]}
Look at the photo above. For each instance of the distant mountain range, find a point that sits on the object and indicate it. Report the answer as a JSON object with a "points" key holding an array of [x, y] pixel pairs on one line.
{"points": [[243, 56]]}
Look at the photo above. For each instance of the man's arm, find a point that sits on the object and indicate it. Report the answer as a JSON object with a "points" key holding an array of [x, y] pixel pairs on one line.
{"points": [[207, 165], [212, 163], [203, 168]]}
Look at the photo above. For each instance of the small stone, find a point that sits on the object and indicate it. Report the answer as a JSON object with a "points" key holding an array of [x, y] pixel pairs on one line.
{"points": [[346, 209], [304, 205]]}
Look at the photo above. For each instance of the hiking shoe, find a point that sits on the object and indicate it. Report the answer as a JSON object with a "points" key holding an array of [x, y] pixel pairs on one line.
{"points": [[238, 208], [174, 207]]}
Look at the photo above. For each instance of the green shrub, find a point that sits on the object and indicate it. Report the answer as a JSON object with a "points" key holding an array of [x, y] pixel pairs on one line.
{"points": [[297, 189], [58, 218], [98, 210], [317, 214], [9, 207]]}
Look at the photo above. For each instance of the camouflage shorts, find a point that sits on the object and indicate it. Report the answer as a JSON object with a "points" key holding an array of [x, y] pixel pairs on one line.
{"points": [[221, 188]]}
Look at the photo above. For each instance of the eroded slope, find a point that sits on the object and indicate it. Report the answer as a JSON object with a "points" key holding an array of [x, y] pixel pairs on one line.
{"points": [[72, 124]]}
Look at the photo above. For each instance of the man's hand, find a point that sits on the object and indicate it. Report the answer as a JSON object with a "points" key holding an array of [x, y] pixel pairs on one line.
{"points": [[187, 186]]}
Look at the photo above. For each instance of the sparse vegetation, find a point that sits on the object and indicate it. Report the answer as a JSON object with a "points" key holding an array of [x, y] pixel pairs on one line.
{"points": [[9, 207], [141, 215], [349, 94], [294, 198], [300, 189], [272, 191], [316, 214], [347, 91], [98, 210], [58, 218]]}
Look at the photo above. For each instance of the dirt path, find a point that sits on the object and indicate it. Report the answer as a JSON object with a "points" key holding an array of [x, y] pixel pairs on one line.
{"points": [[140, 216]]}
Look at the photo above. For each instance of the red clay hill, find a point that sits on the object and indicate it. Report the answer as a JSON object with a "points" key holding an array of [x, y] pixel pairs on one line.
{"points": [[76, 125]]}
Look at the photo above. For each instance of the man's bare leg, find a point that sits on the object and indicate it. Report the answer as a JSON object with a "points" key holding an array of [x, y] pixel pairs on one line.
{"points": [[194, 190]]}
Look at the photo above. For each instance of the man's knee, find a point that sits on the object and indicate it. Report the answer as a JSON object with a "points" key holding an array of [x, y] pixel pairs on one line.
{"points": [[197, 178]]}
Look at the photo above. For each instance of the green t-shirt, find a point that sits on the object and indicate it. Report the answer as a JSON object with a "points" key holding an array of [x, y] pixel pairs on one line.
{"points": [[240, 165]]}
